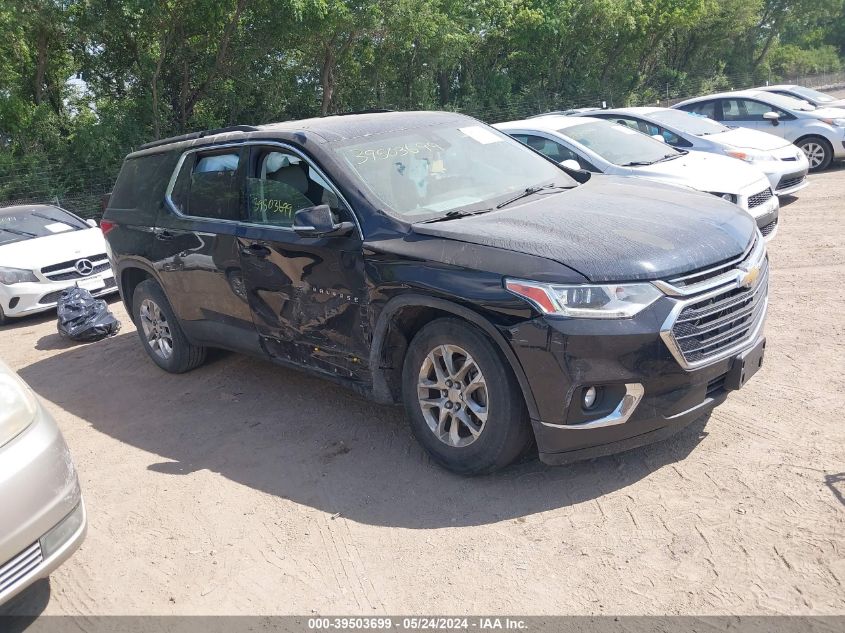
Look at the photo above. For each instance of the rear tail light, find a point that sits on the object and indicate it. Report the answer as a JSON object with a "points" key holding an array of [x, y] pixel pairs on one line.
{"points": [[106, 226]]}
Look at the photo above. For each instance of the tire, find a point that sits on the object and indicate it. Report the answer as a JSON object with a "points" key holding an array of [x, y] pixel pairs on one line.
{"points": [[474, 445], [4, 320], [160, 332], [818, 150]]}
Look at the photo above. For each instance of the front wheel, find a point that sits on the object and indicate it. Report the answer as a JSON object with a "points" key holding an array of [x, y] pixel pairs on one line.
{"points": [[818, 151], [463, 401], [160, 332]]}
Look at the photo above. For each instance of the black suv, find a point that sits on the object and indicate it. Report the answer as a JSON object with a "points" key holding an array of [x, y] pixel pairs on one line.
{"points": [[427, 259]]}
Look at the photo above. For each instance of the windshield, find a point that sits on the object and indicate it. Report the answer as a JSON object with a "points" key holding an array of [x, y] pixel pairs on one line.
{"points": [[30, 222], [618, 144], [689, 122], [788, 103], [813, 95], [427, 172]]}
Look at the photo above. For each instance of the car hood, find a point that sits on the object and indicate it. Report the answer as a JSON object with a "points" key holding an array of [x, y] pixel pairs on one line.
{"points": [[746, 138], [704, 172], [828, 112], [35, 253], [613, 229]]}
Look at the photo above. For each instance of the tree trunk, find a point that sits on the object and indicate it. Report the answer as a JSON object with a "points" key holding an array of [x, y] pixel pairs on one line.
{"points": [[327, 81], [42, 42]]}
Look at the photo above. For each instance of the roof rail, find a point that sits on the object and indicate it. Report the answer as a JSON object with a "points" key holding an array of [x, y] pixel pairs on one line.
{"points": [[193, 135], [364, 111]]}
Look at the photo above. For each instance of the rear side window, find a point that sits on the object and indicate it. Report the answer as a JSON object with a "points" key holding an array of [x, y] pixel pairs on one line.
{"points": [[141, 186], [209, 185], [704, 108]]}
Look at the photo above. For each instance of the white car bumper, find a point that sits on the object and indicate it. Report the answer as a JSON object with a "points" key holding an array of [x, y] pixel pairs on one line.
{"points": [[787, 174], [765, 213], [31, 297]]}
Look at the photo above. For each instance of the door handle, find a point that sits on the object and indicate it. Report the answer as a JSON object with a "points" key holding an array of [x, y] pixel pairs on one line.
{"points": [[255, 250]]}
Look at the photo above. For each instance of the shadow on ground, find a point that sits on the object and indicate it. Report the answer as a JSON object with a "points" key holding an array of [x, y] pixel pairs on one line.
{"points": [[303, 438], [23, 609]]}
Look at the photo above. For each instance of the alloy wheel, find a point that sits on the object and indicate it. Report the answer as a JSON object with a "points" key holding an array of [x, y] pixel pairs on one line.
{"points": [[452, 394], [156, 329], [815, 153]]}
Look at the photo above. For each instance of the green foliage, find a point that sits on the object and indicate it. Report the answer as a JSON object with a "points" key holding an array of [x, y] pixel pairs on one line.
{"points": [[144, 69]]}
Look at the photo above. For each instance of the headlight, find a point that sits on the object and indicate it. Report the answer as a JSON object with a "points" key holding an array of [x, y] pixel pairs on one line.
{"points": [[606, 301], [9, 276], [749, 155], [17, 406], [835, 122], [730, 197]]}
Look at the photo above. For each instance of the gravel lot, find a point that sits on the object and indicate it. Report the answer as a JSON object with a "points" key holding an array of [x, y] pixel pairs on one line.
{"points": [[247, 488]]}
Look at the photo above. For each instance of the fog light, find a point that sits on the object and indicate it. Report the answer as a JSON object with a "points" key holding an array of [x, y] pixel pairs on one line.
{"points": [[54, 539], [589, 397]]}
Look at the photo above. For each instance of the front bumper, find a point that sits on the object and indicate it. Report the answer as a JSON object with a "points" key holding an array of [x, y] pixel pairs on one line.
{"points": [[31, 297], [561, 357], [43, 519]]}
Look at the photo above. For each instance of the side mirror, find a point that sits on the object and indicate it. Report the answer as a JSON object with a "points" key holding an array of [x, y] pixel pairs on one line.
{"points": [[658, 137], [570, 164], [92, 223], [774, 117], [317, 221]]}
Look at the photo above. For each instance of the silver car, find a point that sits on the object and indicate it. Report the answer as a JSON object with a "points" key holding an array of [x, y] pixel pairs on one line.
{"points": [[785, 165], [606, 148], [814, 97], [820, 132], [42, 514]]}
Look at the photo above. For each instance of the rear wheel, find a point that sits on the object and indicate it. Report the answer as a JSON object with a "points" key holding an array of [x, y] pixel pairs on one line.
{"points": [[464, 404], [160, 332], [818, 151]]}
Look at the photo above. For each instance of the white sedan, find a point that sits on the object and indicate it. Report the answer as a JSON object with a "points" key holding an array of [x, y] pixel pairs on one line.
{"points": [[608, 148], [43, 250]]}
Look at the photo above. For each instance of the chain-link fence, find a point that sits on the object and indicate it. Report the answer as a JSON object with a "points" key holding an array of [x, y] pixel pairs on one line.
{"points": [[81, 189]]}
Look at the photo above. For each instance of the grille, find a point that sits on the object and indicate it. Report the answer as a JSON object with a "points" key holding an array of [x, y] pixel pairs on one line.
{"points": [[707, 327], [21, 565], [67, 270], [759, 198], [787, 182], [769, 228], [701, 275], [53, 297]]}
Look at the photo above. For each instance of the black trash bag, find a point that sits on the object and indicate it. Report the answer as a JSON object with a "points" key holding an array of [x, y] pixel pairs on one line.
{"points": [[84, 318]]}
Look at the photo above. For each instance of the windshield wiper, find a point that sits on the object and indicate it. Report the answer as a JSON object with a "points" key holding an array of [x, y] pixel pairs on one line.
{"points": [[454, 215], [530, 191], [17, 232], [643, 163], [56, 220]]}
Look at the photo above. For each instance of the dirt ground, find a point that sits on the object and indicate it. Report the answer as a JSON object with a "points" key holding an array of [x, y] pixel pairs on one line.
{"points": [[247, 488]]}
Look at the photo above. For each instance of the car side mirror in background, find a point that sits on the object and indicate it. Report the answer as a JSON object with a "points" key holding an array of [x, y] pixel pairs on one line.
{"points": [[773, 117], [658, 137], [570, 164], [92, 223], [318, 221]]}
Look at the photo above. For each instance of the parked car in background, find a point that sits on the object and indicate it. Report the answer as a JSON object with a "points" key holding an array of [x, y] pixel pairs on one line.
{"points": [[426, 258], [784, 164], [42, 514], [43, 250], [819, 132], [811, 96], [604, 147]]}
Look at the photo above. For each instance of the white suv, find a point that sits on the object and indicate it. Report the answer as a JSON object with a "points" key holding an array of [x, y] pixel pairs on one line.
{"points": [[820, 132]]}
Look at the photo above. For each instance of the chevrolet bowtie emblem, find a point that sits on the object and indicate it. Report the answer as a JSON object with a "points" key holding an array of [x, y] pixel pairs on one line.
{"points": [[750, 277]]}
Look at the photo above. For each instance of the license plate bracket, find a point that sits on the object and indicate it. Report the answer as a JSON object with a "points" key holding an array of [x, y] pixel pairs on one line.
{"points": [[745, 365], [92, 285]]}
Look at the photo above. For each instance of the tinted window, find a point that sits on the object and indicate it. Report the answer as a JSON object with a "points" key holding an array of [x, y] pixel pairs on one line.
{"points": [[556, 151], [208, 185], [280, 184], [744, 110], [704, 108], [30, 222], [142, 182]]}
